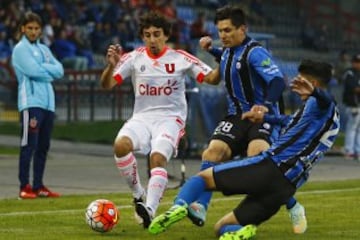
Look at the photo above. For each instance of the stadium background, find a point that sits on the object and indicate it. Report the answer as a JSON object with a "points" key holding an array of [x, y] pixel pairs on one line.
{"points": [[290, 29]]}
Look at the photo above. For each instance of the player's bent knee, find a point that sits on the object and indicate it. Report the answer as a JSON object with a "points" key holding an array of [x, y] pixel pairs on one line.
{"points": [[123, 146], [257, 146], [163, 147], [217, 153], [157, 160]]}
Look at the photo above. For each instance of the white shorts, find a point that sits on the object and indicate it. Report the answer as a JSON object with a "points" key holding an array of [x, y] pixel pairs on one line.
{"points": [[146, 133]]}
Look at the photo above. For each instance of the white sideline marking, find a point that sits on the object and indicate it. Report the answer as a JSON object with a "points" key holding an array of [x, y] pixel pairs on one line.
{"points": [[221, 199]]}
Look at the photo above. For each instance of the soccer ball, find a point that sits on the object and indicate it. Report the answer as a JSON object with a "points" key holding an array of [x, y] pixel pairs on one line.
{"points": [[102, 215]]}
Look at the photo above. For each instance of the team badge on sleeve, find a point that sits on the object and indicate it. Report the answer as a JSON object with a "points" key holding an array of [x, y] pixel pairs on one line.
{"points": [[33, 122]]}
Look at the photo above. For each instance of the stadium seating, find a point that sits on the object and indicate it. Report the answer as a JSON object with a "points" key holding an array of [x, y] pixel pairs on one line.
{"points": [[186, 14]]}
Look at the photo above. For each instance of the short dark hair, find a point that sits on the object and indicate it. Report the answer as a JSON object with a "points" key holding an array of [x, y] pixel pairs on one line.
{"points": [[30, 17], [155, 19], [232, 12], [320, 70]]}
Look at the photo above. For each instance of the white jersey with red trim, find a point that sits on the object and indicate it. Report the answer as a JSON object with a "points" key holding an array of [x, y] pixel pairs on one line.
{"points": [[159, 82]]}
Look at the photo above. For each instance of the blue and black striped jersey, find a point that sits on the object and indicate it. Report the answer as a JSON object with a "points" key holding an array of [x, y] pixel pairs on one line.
{"points": [[308, 134], [247, 79]]}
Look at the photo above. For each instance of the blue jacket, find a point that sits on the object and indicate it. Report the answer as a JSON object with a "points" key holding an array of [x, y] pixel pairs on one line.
{"points": [[35, 68]]}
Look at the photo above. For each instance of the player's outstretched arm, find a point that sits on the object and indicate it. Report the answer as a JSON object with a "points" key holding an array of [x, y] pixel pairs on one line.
{"points": [[205, 43], [302, 86], [107, 80], [213, 77], [112, 58]]}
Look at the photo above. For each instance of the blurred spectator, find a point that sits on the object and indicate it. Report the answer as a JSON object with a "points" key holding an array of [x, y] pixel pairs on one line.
{"points": [[101, 37], [112, 12], [140, 7], [257, 13], [86, 12], [48, 34], [144, 4], [213, 3], [13, 11], [83, 44], [5, 49], [97, 36], [11, 18], [48, 11], [322, 38], [308, 35], [123, 33], [197, 30], [351, 100], [342, 64], [168, 9], [335, 88], [66, 52], [35, 5]]}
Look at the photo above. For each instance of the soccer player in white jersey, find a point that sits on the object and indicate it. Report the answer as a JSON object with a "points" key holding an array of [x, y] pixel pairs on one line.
{"points": [[158, 75]]}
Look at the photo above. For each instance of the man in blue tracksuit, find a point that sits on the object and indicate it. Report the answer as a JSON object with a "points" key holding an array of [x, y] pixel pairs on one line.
{"points": [[35, 68]]}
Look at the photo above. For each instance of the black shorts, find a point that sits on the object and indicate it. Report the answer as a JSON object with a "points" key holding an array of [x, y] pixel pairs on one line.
{"points": [[258, 177], [237, 133]]}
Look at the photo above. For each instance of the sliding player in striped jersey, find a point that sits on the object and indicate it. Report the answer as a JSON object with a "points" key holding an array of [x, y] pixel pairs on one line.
{"points": [[271, 178]]}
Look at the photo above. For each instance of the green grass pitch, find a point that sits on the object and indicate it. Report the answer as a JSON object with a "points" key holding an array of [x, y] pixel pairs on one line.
{"points": [[331, 207]]}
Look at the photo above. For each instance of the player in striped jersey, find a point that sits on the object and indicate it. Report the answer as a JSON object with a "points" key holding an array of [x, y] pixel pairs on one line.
{"points": [[251, 77], [158, 76], [271, 178]]}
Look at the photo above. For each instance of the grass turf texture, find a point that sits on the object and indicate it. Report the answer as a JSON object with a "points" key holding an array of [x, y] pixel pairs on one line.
{"points": [[331, 207], [4, 150]]}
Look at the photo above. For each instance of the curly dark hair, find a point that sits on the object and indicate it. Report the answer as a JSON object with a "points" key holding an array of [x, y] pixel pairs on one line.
{"points": [[154, 19]]}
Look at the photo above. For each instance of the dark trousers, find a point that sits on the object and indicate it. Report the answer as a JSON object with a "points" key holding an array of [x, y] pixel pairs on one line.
{"points": [[258, 177], [36, 128]]}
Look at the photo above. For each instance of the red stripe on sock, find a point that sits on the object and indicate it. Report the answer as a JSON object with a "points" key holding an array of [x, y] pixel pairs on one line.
{"points": [[162, 173], [125, 163]]}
